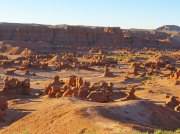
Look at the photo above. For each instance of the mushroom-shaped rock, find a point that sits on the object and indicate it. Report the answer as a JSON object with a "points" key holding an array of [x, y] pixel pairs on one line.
{"points": [[131, 95], [107, 72]]}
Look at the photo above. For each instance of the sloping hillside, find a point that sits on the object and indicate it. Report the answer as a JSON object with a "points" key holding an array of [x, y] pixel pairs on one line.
{"points": [[169, 28]]}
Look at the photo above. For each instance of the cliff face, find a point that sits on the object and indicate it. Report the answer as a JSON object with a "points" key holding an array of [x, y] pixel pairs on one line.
{"points": [[150, 35], [67, 35], [38, 37], [22, 32]]}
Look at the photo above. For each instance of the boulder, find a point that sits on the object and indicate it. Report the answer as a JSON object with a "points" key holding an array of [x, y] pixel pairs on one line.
{"points": [[177, 108], [172, 102], [107, 72], [79, 82], [15, 86], [75, 86], [3, 103], [68, 93], [3, 106], [98, 97], [71, 81], [131, 95], [83, 92]]}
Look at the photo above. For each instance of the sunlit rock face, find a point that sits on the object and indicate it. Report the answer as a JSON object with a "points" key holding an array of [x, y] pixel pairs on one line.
{"points": [[62, 34], [46, 36]]}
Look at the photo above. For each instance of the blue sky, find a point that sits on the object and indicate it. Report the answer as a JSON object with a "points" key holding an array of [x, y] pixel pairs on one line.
{"points": [[122, 13]]}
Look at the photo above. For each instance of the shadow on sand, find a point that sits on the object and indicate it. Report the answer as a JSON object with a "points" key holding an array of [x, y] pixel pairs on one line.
{"points": [[142, 115], [13, 115]]}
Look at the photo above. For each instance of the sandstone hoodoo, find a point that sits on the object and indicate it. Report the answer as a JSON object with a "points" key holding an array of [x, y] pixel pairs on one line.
{"points": [[13, 86], [54, 89], [32, 63], [173, 103], [3, 106], [175, 77], [85, 79], [131, 95], [75, 86], [109, 74]]}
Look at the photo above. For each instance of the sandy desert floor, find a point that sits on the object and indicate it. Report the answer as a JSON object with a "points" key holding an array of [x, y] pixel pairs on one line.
{"points": [[38, 114]]}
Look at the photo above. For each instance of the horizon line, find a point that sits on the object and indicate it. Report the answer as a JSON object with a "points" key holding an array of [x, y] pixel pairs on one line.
{"points": [[45, 24]]}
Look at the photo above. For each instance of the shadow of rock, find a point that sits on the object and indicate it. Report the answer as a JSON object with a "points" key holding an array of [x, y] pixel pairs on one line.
{"points": [[13, 115], [119, 95], [143, 115], [131, 80]]}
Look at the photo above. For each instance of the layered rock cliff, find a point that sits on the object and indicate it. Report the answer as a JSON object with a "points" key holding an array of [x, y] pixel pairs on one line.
{"points": [[62, 34], [45, 36]]}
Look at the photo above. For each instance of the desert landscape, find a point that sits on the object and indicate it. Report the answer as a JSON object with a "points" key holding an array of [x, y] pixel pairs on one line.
{"points": [[88, 80], [89, 67]]}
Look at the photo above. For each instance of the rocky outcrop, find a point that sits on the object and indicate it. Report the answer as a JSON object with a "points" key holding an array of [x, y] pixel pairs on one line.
{"points": [[44, 37], [25, 32], [107, 72], [146, 34], [131, 95], [76, 86], [13, 86], [169, 28], [61, 34], [3, 106], [173, 103]]}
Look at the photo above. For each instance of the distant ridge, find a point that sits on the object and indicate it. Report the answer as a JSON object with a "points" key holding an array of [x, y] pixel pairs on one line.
{"points": [[169, 28]]}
